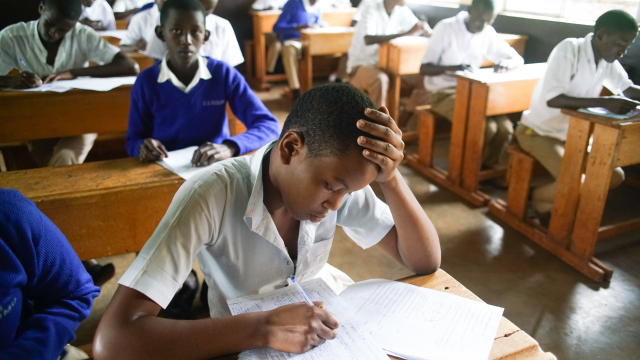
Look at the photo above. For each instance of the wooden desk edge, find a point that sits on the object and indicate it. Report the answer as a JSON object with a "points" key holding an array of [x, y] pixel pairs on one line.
{"points": [[603, 120]]}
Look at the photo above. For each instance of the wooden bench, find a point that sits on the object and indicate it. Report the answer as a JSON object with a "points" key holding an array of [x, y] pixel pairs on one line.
{"points": [[121, 24], [576, 217], [263, 22], [403, 56], [478, 96]]}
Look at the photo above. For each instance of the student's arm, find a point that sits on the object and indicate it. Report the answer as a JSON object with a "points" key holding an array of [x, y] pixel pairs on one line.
{"points": [[121, 65], [413, 241], [434, 70], [432, 57], [133, 40], [615, 104], [502, 54], [417, 29], [140, 143], [62, 291], [125, 14]]}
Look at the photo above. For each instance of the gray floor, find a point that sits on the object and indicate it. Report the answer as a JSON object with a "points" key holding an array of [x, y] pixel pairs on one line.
{"points": [[567, 313]]}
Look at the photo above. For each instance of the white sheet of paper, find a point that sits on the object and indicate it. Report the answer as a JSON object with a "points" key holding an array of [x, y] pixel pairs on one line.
{"points": [[85, 83], [179, 162], [606, 113], [113, 33], [418, 323], [352, 342]]}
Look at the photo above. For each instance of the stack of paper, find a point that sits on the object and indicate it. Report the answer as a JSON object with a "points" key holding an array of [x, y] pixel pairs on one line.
{"points": [[179, 162], [352, 342], [85, 83], [606, 113]]}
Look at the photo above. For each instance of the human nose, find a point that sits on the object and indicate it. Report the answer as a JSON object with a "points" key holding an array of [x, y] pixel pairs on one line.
{"points": [[333, 202]]}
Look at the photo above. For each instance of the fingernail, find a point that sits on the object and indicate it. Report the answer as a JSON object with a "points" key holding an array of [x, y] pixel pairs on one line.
{"points": [[367, 111], [360, 123], [366, 152], [361, 140]]}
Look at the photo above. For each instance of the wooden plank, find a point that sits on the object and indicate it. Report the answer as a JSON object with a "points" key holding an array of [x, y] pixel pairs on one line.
{"points": [[323, 41], [474, 142], [339, 17], [629, 153], [520, 172], [618, 229], [593, 194], [405, 54], [510, 97], [22, 117], [393, 96], [121, 24], [459, 130], [426, 130], [569, 181]]}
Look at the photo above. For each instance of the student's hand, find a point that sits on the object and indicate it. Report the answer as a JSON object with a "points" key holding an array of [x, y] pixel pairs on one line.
{"points": [[417, 29], [208, 153], [95, 25], [67, 75], [298, 327], [152, 150], [425, 28], [26, 80], [141, 45], [619, 104], [388, 152], [499, 68], [464, 67]]}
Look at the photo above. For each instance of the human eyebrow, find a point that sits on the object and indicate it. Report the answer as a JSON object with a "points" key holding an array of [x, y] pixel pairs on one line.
{"points": [[343, 182]]}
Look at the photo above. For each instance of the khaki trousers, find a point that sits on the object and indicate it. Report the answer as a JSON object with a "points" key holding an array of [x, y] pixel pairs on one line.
{"points": [[291, 53], [273, 50], [61, 151], [372, 80], [549, 152], [497, 132]]}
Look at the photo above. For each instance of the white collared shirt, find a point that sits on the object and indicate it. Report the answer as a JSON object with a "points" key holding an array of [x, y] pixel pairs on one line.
{"points": [[571, 70], [143, 26], [222, 44], [78, 47], [219, 217], [166, 74], [452, 44], [100, 11], [126, 5], [376, 21], [266, 4]]}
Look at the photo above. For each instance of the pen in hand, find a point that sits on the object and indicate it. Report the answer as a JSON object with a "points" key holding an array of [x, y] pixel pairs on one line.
{"points": [[25, 65], [303, 293]]}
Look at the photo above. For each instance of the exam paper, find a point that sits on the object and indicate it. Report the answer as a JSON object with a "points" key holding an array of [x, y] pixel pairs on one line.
{"points": [[606, 113], [113, 33], [418, 323], [85, 83], [179, 162], [352, 342]]}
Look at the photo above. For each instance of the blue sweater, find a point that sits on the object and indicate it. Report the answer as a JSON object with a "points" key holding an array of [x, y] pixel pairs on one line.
{"points": [[45, 292], [294, 14], [163, 112]]}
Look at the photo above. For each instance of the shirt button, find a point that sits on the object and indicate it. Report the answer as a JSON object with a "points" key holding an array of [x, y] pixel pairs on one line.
{"points": [[288, 262]]}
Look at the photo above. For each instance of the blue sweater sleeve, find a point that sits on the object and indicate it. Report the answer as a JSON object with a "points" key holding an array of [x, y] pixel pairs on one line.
{"points": [[262, 126], [58, 286], [288, 19], [140, 117]]}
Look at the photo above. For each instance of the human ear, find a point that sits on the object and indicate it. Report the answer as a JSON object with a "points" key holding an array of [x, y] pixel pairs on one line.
{"points": [[290, 146], [159, 33], [207, 33], [41, 8]]}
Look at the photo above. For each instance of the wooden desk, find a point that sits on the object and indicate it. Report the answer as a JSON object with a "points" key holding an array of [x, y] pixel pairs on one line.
{"points": [[575, 225], [104, 208], [403, 56], [334, 40], [263, 22], [143, 60], [478, 96], [122, 24]]}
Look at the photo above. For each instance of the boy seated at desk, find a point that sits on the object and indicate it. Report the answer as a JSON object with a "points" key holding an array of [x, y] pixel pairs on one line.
{"points": [[58, 47], [123, 9], [462, 43], [98, 15], [576, 72], [44, 291], [221, 44], [272, 40], [255, 221], [381, 21], [168, 115], [296, 15]]}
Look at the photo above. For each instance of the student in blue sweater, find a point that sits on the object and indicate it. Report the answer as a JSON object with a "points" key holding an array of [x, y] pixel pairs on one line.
{"points": [[45, 292], [296, 15], [181, 101]]}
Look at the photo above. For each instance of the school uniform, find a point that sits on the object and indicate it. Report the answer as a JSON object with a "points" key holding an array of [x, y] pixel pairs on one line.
{"points": [[126, 5], [222, 44], [142, 25], [294, 13], [260, 5], [182, 115], [78, 47], [45, 292], [100, 11], [219, 217], [362, 64], [452, 44], [571, 71]]}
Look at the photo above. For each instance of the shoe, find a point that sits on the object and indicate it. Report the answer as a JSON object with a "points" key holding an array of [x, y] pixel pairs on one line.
{"points": [[204, 295], [534, 216], [180, 306], [100, 274]]}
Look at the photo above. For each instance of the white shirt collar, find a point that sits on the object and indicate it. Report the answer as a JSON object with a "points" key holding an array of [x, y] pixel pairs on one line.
{"points": [[587, 50], [310, 8], [166, 74]]}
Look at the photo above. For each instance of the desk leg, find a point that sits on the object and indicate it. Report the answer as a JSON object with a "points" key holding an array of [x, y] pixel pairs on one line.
{"points": [[306, 71], [595, 188], [393, 97], [260, 59], [474, 144], [458, 130], [569, 179], [426, 129]]}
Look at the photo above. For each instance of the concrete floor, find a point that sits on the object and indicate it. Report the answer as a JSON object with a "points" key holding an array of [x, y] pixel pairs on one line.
{"points": [[564, 311]]}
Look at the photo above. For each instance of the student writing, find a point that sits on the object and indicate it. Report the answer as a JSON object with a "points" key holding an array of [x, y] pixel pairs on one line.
{"points": [[98, 15]]}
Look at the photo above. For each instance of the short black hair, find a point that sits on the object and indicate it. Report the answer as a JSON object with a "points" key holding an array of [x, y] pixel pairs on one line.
{"points": [[487, 5], [188, 5], [615, 22], [69, 9], [326, 117]]}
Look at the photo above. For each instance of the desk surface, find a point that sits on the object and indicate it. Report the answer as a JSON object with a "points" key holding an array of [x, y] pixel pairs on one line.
{"points": [[524, 72], [603, 120]]}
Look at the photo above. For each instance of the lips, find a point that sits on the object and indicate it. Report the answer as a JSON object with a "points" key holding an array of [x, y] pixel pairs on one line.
{"points": [[315, 218]]}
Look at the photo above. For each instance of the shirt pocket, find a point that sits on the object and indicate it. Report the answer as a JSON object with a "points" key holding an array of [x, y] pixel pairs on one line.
{"points": [[319, 253]]}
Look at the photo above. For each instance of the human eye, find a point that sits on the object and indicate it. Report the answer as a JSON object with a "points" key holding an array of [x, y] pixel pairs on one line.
{"points": [[176, 31], [327, 186]]}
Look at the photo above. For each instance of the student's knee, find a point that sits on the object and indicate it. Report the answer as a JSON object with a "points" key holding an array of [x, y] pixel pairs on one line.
{"points": [[491, 129], [382, 80], [504, 125], [617, 178]]}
